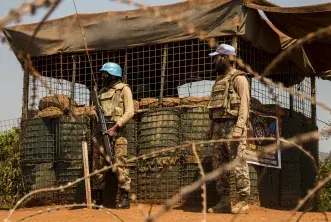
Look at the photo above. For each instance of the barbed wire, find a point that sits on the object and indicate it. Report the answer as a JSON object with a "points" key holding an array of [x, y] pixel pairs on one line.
{"points": [[26, 58], [106, 168], [60, 188], [312, 159], [203, 186], [15, 15], [26, 8], [212, 42], [303, 213], [194, 186], [141, 157], [85, 42], [202, 36], [156, 11], [190, 188], [49, 210], [301, 138], [319, 33], [172, 149], [268, 82], [54, 5], [310, 194], [145, 156]]}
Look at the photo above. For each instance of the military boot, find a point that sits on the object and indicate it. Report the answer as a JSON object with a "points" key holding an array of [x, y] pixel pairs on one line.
{"points": [[223, 206], [124, 202], [97, 195], [241, 207]]}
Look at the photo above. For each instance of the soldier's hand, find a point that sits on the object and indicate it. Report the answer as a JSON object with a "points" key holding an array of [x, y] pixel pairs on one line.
{"points": [[112, 132]]}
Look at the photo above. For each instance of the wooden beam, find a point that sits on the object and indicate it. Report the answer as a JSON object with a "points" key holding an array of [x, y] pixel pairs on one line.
{"points": [[164, 65], [25, 105], [87, 172], [73, 82], [313, 97], [125, 77]]}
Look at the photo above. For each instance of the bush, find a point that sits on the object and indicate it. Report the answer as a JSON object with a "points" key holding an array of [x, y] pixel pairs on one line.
{"points": [[325, 193], [11, 182]]}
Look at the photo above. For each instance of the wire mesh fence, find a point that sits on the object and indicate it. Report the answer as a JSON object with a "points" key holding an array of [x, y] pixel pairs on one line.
{"points": [[171, 84], [9, 124], [176, 69]]}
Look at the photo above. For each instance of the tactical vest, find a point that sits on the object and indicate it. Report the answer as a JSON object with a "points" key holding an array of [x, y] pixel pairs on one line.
{"points": [[224, 97], [112, 102]]}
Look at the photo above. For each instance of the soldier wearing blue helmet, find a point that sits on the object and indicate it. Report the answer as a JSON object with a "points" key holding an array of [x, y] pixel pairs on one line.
{"points": [[117, 104]]}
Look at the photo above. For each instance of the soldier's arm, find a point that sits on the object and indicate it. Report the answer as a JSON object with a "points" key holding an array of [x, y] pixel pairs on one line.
{"points": [[242, 87], [128, 107]]}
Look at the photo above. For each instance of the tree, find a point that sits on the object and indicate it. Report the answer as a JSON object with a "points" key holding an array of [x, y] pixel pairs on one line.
{"points": [[325, 193], [10, 173]]}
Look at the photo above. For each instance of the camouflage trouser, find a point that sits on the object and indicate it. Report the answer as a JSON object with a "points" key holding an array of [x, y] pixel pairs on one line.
{"points": [[120, 154], [226, 152]]}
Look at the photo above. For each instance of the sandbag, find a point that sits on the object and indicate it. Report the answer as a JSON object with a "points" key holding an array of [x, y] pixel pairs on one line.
{"points": [[147, 103], [58, 100], [191, 100], [205, 100], [50, 112], [136, 105], [170, 102], [85, 111]]}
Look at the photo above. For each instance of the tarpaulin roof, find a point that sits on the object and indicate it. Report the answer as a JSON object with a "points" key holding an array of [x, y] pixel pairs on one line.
{"points": [[123, 29], [297, 22]]}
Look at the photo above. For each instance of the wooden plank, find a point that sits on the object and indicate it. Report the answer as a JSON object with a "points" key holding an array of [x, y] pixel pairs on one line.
{"points": [[87, 172], [163, 72], [25, 107], [313, 97]]}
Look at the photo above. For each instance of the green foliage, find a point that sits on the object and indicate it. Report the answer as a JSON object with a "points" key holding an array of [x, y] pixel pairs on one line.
{"points": [[9, 143], [325, 193], [10, 173]]}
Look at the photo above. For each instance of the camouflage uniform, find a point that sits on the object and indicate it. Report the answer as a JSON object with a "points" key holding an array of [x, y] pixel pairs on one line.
{"points": [[228, 152], [120, 144], [228, 110], [117, 104]]}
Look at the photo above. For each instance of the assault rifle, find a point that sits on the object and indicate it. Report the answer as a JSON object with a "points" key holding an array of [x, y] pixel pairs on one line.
{"points": [[102, 123]]}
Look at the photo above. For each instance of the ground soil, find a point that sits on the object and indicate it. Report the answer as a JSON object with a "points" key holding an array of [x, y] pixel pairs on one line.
{"points": [[136, 214]]}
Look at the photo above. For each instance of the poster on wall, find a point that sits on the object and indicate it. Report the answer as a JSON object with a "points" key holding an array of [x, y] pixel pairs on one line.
{"points": [[262, 126]]}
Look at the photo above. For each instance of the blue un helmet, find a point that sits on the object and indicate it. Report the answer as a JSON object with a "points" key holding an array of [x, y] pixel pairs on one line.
{"points": [[112, 69]]}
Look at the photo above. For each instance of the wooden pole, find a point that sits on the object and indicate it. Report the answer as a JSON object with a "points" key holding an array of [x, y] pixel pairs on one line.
{"points": [[25, 107], [313, 97], [164, 64], [73, 82], [125, 79], [235, 46], [87, 172], [291, 105]]}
